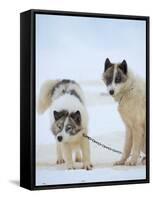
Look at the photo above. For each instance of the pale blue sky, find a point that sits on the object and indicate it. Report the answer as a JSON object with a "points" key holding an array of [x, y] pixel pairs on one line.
{"points": [[76, 47]]}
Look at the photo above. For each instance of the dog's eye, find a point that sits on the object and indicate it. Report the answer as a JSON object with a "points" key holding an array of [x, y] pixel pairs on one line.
{"points": [[118, 80], [108, 80], [59, 126], [69, 128]]}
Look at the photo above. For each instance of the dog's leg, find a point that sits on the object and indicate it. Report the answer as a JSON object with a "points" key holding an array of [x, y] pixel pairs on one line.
{"points": [[143, 161], [86, 154], [127, 147], [78, 156], [68, 156], [60, 159], [137, 137], [143, 146]]}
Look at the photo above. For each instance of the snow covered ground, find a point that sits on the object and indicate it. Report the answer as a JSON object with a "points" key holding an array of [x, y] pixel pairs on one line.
{"points": [[106, 126]]}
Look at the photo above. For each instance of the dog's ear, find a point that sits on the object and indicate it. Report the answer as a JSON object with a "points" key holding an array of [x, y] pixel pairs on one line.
{"points": [[123, 66], [76, 116], [107, 64], [58, 115]]}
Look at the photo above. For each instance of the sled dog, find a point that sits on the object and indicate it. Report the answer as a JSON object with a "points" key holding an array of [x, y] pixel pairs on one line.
{"points": [[129, 91], [68, 120]]}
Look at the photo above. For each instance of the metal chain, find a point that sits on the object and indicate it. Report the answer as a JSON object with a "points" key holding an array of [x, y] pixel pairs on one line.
{"points": [[102, 145]]}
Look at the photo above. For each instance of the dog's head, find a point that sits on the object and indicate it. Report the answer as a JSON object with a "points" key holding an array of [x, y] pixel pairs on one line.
{"points": [[66, 126], [115, 76]]}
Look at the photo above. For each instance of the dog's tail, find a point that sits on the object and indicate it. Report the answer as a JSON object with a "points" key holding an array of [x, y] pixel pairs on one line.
{"points": [[45, 98]]}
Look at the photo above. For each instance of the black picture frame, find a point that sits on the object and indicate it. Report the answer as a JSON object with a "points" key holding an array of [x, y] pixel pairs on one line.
{"points": [[28, 98]]}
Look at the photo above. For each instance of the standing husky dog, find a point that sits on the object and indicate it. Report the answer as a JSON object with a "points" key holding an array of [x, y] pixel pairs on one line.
{"points": [[129, 92], [69, 120]]}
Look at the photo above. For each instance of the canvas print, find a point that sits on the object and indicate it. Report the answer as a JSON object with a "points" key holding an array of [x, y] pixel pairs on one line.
{"points": [[90, 99]]}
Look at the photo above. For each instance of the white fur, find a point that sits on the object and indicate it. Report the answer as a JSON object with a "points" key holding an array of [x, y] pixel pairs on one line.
{"points": [[59, 101], [44, 98], [131, 97]]}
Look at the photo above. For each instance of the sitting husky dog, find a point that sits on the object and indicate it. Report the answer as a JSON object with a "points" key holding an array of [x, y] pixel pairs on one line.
{"points": [[129, 92], [69, 120]]}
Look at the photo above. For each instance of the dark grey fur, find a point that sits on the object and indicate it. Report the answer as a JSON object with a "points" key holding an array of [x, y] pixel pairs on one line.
{"points": [[73, 92], [62, 82], [66, 83], [121, 73], [73, 125], [108, 75]]}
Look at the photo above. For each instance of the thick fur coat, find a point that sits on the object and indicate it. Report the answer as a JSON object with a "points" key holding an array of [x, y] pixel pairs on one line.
{"points": [[68, 119], [129, 91]]}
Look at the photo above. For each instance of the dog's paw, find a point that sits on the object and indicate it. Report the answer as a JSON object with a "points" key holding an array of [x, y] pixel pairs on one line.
{"points": [[60, 161], [87, 166], [70, 168], [143, 160], [131, 162], [119, 162]]}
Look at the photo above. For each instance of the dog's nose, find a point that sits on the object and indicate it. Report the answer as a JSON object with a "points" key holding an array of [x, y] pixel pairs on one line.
{"points": [[59, 138], [111, 92]]}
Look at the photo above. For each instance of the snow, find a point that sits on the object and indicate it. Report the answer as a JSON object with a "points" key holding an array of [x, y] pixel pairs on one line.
{"points": [[48, 173], [106, 126], [50, 176]]}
